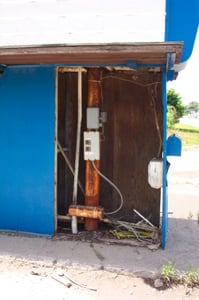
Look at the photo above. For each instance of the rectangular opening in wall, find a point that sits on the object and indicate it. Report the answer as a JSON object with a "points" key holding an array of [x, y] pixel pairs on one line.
{"points": [[129, 138]]}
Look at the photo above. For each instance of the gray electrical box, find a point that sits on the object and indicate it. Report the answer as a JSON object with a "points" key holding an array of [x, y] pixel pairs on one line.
{"points": [[91, 145], [93, 118]]}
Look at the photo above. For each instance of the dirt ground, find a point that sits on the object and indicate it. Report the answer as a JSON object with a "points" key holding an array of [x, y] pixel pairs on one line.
{"points": [[21, 279], [25, 279]]}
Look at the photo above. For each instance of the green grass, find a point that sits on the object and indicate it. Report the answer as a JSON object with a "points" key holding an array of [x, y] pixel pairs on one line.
{"points": [[189, 134], [171, 275], [185, 127]]}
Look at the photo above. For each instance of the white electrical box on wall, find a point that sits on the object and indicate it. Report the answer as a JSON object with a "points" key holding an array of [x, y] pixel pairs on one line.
{"points": [[91, 145], [155, 173]]}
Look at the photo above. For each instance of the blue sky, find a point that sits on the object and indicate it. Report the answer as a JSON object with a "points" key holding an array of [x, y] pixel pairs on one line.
{"points": [[187, 82]]}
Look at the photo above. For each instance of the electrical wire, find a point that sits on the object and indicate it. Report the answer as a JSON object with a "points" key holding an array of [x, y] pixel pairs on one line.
{"points": [[130, 80], [114, 186], [141, 232], [153, 91]]}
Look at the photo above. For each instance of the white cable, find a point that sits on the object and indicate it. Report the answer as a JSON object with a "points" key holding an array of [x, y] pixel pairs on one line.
{"points": [[114, 186]]}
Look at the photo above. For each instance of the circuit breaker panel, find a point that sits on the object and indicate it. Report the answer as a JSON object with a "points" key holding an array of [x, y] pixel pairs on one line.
{"points": [[91, 145]]}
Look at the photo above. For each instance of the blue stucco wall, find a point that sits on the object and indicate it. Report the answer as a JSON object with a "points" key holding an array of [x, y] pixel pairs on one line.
{"points": [[182, 20], [27, 97]]}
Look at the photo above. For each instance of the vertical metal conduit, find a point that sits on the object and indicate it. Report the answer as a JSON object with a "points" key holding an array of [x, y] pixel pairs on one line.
{"points": [[77, 152], [164, 188]]}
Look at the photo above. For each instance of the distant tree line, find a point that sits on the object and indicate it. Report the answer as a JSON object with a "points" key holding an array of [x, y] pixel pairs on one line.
{"points": [[192, 108], [176, 109]]}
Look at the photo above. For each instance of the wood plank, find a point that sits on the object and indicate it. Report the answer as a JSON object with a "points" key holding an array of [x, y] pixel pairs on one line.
{"points": [[141, 53], [92, 212]]}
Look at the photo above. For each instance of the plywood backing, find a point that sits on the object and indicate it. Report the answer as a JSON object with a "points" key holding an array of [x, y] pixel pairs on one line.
{"points": [[133, 136]]}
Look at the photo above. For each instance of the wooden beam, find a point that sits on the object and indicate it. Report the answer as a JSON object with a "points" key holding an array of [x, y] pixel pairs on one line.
{"points": [[141, 53], [92, 179], [91, 212]]}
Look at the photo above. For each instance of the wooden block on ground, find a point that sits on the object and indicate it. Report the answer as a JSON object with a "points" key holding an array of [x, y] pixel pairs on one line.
{"points": [[93, 212]]}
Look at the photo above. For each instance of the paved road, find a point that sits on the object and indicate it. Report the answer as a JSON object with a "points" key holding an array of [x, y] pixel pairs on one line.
{"points": [[190, 121], [183, 180]]}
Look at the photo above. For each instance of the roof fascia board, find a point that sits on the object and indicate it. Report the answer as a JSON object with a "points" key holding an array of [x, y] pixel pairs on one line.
{"points": [[111, 54]]}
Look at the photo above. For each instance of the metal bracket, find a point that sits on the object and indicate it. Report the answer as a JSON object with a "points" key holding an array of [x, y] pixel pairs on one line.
{"points": [[171, 57]]}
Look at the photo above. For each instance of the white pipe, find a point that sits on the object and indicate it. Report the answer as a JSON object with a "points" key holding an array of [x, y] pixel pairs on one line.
{"points": [[77, 152], [78, 137], [74, 225], [142, 217]]}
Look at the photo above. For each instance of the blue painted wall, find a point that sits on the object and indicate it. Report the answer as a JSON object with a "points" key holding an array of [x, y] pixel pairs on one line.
{"points": [[182, 19], [27, 97]]}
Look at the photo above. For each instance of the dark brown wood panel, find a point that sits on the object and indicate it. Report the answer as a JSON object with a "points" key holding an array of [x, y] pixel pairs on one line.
{"points": [[133, 136], [67, 116]]}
